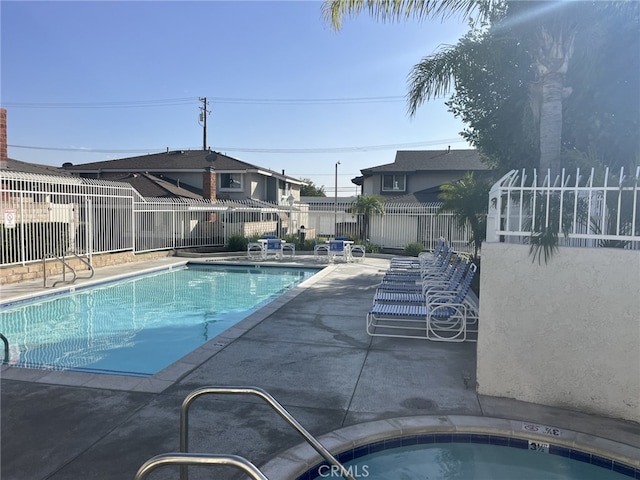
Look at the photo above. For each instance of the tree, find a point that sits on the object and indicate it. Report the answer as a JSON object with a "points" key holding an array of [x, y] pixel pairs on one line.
{"points": [[367, 205], [311, 190], [492, 98], [467, 198], [545, 32]]}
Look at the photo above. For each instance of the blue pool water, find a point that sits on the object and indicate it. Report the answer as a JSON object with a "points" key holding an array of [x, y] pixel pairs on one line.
{"points": [[471, 456], [140, 325]]}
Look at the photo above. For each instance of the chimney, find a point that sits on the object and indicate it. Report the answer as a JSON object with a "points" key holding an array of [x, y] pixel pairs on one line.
{"points": [[3, 139], [209, 184]]}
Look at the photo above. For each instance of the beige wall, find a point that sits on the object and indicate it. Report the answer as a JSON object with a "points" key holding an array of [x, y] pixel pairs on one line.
{"points": [[33, 271], [565, 334]]}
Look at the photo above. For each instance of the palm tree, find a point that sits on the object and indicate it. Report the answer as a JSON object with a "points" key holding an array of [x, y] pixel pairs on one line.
{"points": [[549, 28], [467, 198], [367, 205]]}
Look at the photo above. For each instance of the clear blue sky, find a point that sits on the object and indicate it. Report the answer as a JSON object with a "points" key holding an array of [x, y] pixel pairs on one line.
{"points": [[272, 72]]}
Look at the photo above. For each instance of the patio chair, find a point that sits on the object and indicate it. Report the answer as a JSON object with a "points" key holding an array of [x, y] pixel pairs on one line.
{"points": [[358, 253], [446, 316], [424, 258], [273, 247], [321, 251], [430, 285], [254, 251], [288, 249], [338, 249]]}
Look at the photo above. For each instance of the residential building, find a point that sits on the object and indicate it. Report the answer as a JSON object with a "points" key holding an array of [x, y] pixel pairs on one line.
{"points": [[194, 174], [416, 175]]}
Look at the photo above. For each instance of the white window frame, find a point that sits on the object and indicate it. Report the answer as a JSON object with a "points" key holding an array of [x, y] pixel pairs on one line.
{"points": [[231, 189], [395, 180]]}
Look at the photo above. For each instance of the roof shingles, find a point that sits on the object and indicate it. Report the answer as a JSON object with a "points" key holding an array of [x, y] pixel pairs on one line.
{"points": [[430, 161]]}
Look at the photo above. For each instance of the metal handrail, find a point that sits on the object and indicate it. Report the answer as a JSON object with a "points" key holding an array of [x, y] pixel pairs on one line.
{"points": [[199, 459], [273, 403], [6, 349], [64, 270], [91, 269]]}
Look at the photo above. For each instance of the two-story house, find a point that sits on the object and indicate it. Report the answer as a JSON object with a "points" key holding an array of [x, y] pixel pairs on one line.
{"points": [[194, 174], [416, 175]]}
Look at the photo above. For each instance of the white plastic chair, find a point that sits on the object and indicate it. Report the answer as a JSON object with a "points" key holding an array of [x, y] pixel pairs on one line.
{"points": [[254, 251], [358, 253], [321, 251]]}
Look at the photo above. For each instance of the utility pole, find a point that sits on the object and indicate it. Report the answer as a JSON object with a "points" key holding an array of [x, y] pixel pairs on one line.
{"points": [[203, 118], [335, 204]]}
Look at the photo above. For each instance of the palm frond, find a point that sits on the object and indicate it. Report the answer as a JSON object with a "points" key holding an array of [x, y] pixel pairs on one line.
{"points": [[543, 243], [433, 77], [334, 11]]}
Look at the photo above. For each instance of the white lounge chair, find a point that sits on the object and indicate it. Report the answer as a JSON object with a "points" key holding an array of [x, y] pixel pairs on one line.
{"points": [[445, 315]]}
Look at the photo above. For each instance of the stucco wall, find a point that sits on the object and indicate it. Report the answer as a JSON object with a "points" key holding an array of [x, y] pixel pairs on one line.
{"points": [[565, 334]]}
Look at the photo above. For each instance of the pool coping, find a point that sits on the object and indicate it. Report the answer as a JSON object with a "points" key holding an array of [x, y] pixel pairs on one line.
{"points": [[172, 373], [294, 462]]}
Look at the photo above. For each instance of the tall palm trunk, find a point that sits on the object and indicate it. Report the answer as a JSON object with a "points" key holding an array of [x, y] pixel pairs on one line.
{"points": [[551, 60], [551, 123]]}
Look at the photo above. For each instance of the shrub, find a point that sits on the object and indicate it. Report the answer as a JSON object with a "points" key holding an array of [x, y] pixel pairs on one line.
{"points": [[236, 243], [372, 248], [413, 249]]}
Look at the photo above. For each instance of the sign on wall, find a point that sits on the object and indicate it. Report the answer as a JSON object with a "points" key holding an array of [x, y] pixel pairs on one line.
{"points": [[9, 218]]}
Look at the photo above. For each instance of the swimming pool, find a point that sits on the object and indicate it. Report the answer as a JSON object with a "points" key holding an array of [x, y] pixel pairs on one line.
{"points": [[138, 326], [463, 447], [460, 456]]}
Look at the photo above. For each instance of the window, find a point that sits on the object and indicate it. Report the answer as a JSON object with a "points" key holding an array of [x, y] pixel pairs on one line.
{"points": [[230, 181], [393, 183]]}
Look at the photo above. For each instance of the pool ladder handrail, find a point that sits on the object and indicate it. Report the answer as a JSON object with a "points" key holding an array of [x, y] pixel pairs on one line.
{"points": [[272, 402], [5, 340], [64, 268], [186, 459]]}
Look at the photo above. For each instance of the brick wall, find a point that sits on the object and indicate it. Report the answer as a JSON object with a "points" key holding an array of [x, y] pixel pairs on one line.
{"points": [[3, 138], [209, 184], [34, 271]]}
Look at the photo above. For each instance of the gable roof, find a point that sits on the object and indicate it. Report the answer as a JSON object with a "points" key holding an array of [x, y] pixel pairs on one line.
{"points": [[178, 161], [25, 167], [411, 161], [149, 185]]}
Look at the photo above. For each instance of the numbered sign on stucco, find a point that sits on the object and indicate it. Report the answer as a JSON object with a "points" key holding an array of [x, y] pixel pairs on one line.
{"points": [[9, 218]]}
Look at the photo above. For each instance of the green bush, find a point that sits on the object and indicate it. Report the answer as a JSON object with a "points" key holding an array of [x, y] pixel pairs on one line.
{"points": [[372, 248], [236, 243], [413, 249]]}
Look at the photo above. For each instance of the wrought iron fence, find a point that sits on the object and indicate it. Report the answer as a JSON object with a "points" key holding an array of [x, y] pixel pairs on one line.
{"points": [[44, 215], [588, 209]]}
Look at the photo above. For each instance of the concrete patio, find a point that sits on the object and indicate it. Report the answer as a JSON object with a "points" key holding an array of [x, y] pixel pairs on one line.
{"points": [[308, 349]]}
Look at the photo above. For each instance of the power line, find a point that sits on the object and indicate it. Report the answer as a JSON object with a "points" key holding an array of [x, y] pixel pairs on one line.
{"points": [[127, 104], [365, 148], [190, 100], [306, 101]]}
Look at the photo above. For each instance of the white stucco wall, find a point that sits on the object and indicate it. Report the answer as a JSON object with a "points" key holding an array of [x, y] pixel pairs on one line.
{"points": [[565, 334]]}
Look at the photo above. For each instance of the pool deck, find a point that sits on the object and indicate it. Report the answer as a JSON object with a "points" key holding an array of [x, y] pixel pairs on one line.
{"points": [[309, 349]]}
